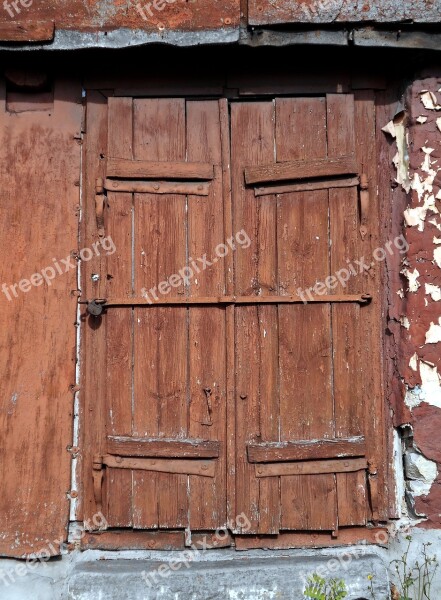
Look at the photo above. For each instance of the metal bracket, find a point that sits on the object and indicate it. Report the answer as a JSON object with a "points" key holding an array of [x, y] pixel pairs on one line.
{"points": [[100, 200], [364, 205], [98, 474]]}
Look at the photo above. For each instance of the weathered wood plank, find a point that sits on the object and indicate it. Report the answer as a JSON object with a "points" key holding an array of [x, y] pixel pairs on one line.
{"points": [[311, 467], [119, 323], [161, 333], [301, 169], [162, 448], [146, 169], [306, 450], [37, 333], [306, 400], [207, 354], [338, 182], [29, 31]]}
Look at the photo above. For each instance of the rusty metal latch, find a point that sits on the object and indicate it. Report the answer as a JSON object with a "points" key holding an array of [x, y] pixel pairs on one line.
{"points": [[364, 205], [94, 307], [100, 200], [98, 481], [373, 488]]}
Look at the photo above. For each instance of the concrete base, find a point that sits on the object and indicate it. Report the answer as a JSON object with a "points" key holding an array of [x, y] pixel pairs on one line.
{"points": [[221, 575]]}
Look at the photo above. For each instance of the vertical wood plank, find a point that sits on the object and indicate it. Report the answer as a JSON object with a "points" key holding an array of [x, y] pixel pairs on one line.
{"points": [[306, 398], [348, 366], [161, 334], [119, 322], [207, 332], [93, 401], [256, 327]]}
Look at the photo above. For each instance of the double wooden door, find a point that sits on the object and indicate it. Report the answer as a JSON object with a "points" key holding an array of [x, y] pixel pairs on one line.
{"points": [[210, 388]]}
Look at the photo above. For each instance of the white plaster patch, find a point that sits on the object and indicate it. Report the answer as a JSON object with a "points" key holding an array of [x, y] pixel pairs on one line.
{"points": [[438, 123], [412, 277], [400, 293], [405, 322], [430, 101], [421, 473], [434, 291], [413, 362], [433, 334], [437, 256], [413, 398], [437, 225], [397, 130], [431, 384], [421, 119], [436, 240]]}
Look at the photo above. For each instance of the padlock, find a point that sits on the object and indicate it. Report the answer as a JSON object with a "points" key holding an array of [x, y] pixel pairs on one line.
{"points": [[94, 309]]}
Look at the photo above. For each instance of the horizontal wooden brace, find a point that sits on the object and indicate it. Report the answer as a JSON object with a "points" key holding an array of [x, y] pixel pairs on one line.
{"points": [[28, 31], [205, 468], [301, 169], [306, 450], [319, 184], [162, 447], [146, 169], [176, 301], [158, 187], [311, 467]]}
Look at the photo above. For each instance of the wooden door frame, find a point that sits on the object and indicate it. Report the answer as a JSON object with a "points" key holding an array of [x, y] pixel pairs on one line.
{"points": [[92, 418]]}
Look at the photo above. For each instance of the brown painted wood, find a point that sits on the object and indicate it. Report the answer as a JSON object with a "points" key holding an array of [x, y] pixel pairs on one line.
{"points": [[305, 350], [119, 327], [202, 468], [306, 450], [37, 333], [29, 31], [92, 394], [146, 169], [157, 187], [349, 536], [255, 326], [347, 346], [342, 182], [207, 354], [134, 540], [303, 169], [162, 448], [311, 467], [376, 413], [161, 334]]}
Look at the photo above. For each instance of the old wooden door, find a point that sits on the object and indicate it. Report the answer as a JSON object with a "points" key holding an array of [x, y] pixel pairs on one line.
{"points": [[211, 389]]}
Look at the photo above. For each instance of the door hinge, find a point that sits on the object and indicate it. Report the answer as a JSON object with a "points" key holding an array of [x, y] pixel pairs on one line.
{"points": [[364, 205], [373, 488], [100, 200], [98, 472]]}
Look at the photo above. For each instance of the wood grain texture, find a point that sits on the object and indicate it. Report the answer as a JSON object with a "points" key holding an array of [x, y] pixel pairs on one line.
{"points": [[146, 169], [302, 169], [307, 449], [163, 448], [157, 187], [334, 182], [311, 467], [29, 31], [306, 395], [40, 163]]}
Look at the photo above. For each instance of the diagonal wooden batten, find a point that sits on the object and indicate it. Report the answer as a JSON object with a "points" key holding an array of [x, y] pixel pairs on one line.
{"points": [[204, 468], [146, 169], [301, 169], [162, 447], [158, 187], [306, 450], [311, 467], [310, 186]]}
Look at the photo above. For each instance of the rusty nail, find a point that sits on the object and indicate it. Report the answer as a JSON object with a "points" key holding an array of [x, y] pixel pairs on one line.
{"points": [[161, 26], [74, 449], [243, 396], [74, 388], [156, 186], [73, 494], [151, 544], [115, 184], [118, 459], [259, 470], [204, 467], [227, 21]]}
